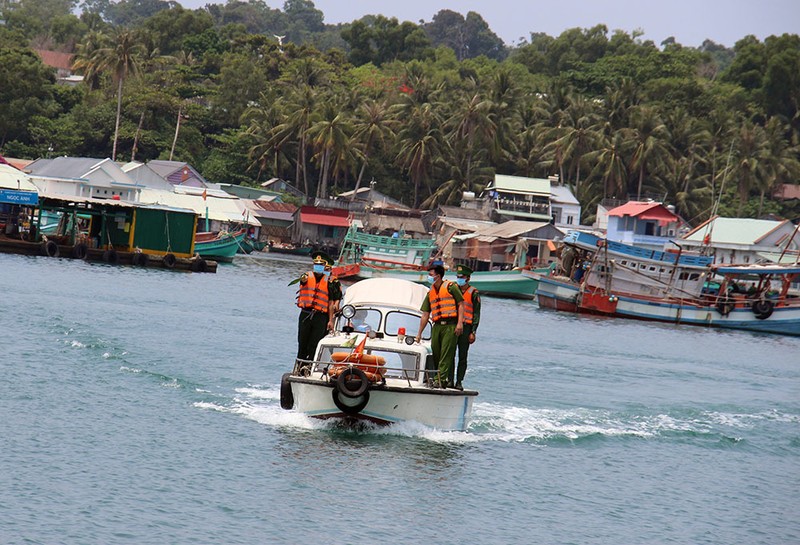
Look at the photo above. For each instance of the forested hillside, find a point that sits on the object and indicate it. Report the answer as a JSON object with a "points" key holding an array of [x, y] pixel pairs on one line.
{"points": [[247, 93]]}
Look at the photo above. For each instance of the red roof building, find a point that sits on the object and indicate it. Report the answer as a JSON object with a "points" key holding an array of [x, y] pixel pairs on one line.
{"points": [[321, 227], [646, 224]]}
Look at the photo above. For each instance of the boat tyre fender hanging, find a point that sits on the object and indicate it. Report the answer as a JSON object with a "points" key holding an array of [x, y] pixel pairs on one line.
{"points": [[352, 382], [199, 264], [287, 398], [110, 256], [140, 259], [80, 251], [725, 305], [50, 248], [169, 260], [763, 308], [349, 405]]}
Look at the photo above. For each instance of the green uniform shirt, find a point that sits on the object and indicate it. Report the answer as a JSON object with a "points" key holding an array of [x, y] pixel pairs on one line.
{"points": [[334, 290], [454, 290], [476, 310]]}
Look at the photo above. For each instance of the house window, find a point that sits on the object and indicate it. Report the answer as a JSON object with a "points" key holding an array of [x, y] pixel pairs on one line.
{"points": [[649, 229], [747, 259], [569, 220]]}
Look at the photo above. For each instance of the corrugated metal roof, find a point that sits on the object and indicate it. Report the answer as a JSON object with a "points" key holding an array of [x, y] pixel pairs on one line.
{"points": [[227, 209], [746, 231], [509, 229], [11, 178], [64, 167], [518, 184], [464, 224], [562, 195], [382, 222], [644, 210], [456, 212]]}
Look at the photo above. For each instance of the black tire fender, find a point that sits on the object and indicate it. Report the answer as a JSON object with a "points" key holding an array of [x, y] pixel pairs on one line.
{"points": [[110, 256], [352, 382], [199, 264], [763, 308], [287, 397], [140, 259], [169, 260], [725, 305], [80, 251], [350, 405], [50, 248]]}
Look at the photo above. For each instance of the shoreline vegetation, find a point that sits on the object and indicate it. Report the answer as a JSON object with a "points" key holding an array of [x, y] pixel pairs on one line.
{"points": [[247, 93]]}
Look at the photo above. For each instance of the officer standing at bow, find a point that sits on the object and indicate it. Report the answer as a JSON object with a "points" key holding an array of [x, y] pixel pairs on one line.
{"points": [[316, 312], [444, 304], [472, 317]]}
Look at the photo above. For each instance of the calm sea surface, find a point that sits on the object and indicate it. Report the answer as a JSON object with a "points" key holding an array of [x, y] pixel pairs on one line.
{"points": [[141, 406]]}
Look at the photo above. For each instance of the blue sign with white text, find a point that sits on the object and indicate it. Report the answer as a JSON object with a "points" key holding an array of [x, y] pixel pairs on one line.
{"points": [[27, 198]]}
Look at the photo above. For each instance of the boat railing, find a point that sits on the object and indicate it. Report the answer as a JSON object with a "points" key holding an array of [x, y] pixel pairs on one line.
{"points": [[311, 368], [380, 240]]}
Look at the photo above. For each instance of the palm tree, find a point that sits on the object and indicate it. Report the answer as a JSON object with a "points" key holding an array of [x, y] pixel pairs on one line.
{"points": [[781, 164], [472, 124], [609, 164], [650, 144], [419, 144], [120, 55], [748, 167], [372, 127], [329, 138]]}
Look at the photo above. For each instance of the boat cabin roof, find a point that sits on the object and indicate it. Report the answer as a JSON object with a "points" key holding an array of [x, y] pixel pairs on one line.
{"points": [[389, 292]]}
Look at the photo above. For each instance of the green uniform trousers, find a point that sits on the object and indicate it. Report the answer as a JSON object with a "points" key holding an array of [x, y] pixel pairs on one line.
{"points": [[443, 344], [311, 328], [463, 351]]}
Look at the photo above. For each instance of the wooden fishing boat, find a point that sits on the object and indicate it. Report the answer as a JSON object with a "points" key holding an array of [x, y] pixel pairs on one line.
{"points": [[218, 246]]}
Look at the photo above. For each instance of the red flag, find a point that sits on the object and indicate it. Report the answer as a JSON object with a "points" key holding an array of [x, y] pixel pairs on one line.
{"points": [[360, 348], [204, 194], [707, 239]]}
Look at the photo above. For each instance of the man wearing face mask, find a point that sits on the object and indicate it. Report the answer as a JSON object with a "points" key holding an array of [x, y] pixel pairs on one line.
{"points": [[316, 311], [472, 317], [444, 304]]}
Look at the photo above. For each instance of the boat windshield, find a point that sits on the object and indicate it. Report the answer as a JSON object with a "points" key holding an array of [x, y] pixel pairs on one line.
{"points": [[410, 322], [365, 319], [399, 364]]}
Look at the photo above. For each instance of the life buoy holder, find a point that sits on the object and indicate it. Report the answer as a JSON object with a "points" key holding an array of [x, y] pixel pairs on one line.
{"points": [[763, 308], [169, 260], [50, 248], [110, 256], [80, 250], [725, 305], [287, 397]]}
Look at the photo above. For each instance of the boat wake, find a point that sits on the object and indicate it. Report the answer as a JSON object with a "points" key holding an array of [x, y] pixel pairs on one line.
{"points": [[538, 426]]}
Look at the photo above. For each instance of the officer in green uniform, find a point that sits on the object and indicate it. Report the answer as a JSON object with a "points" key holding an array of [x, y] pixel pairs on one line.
{"points": [[316, 311], [472, 317], [444, 304], [334, 290]]}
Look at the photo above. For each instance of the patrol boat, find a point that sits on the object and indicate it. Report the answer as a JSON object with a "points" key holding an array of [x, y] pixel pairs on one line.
{"points": [[371, 369]]}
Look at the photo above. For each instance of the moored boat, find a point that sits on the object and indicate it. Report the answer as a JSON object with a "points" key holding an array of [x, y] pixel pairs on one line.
{"points": [[371, 369], [220, 246], [665, 287]]}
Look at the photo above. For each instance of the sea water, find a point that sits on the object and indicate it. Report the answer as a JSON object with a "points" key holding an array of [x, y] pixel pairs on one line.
{"points": [[142, 406]]}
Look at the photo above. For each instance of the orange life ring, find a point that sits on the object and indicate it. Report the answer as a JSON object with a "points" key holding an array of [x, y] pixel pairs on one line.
{"points": [[371, 365]]}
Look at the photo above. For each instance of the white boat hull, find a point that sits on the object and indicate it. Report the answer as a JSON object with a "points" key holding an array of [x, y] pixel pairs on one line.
{"points": [[444, 409]]}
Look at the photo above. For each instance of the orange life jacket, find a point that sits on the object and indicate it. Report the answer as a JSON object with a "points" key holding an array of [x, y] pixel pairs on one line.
{"points": [[313, 295], [443, 304], [469, 310]]}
